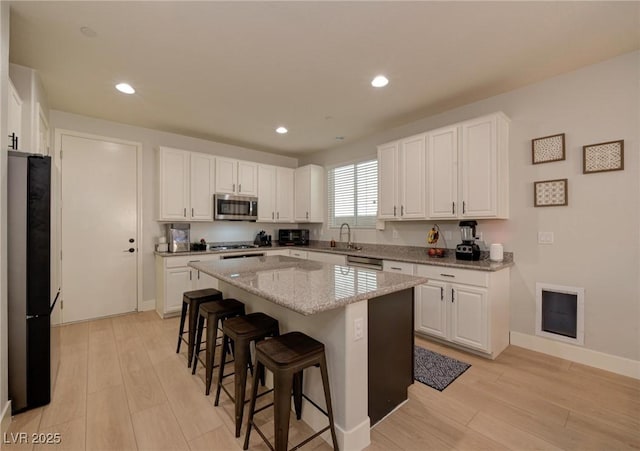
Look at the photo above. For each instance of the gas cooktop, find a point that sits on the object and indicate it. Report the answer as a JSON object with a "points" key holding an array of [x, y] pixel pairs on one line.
{"points": [[233, 246]]}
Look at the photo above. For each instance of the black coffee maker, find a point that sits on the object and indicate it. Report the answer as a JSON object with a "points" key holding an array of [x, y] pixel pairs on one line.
{"points": [[262, 239], [468, 249]]}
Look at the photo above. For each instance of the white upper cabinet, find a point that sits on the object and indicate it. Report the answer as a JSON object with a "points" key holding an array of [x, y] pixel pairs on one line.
{"points": [[275, 194], [468, 169], [401, 179], [14, 118], [236, 177], [309, 193], [186, 185], [27, 110], [442, 172]]}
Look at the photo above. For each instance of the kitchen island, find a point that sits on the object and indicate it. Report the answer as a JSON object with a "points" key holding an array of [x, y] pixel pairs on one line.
{"points": [[364, 318]]}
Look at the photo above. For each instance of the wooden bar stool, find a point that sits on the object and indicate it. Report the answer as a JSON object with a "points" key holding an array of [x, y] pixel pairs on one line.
{"points": [[241, 331], [214, 313], [191, 301], [286, 357]]}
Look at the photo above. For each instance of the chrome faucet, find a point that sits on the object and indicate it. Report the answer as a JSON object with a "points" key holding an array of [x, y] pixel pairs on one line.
{"points": [[348, 234]]}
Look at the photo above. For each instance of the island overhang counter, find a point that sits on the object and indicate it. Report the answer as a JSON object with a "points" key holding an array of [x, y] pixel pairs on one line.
{"points": [[364, 318]]}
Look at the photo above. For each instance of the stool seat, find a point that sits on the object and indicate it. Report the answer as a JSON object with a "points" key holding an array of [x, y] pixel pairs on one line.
{"points": [[249, 327], [214, 313], [289, 349], [191, 302], [239, 332], [222, 306], [200, 295]]}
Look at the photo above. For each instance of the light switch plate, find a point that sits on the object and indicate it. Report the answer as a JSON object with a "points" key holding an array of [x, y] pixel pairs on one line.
{"points": [[396, 235], [545, 237], [358, 329]]}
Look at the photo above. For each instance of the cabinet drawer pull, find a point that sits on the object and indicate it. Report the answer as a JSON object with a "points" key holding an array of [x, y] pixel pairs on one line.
{"points": [[446, 275], [441, 293], [396, 268], [194, 261]]}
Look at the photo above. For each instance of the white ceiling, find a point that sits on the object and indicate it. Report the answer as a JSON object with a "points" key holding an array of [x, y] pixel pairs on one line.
{"points": [[234, 71]]}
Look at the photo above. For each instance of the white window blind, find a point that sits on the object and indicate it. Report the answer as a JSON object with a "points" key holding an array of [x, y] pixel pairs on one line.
{"points": [[353, 194]]}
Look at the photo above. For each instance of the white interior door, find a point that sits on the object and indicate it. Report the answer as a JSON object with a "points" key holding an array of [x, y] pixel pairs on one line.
{"points": [[99, 228]]}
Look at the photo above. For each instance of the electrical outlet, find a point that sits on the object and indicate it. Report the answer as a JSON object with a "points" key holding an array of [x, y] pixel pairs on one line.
{"points": [[396, 235], [479, 236], [545, 237], [358, 329]]}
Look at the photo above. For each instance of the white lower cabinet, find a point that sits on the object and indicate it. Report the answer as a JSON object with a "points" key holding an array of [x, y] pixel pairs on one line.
{"points": [[325, 257], [466, 307], [298, 254], [174, 277]]}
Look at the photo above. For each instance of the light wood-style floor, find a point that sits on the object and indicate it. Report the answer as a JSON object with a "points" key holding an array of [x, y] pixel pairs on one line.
{"points": [[121, 386]]}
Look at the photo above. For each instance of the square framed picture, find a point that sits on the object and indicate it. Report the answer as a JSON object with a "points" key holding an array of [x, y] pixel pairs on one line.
{"points": [[547, 149], [603, 157], [551, 193]]}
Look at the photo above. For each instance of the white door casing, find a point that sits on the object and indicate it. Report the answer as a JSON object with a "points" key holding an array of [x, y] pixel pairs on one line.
{"points": [[100, 210]]}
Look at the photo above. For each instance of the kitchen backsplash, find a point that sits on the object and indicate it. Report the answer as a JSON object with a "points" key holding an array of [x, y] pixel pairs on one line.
{"points": [[395, 233]]}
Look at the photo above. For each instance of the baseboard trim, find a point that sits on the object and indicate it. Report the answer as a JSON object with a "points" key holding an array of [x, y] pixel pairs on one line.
{"points": [[149, 304], [6, 418], [608, 362]]}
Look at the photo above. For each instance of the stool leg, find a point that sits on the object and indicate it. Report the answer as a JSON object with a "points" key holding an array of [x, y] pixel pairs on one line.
{"points": [[297, 394], [223, 357], [252, 405], [196, 349], [243, 354], [212, 329], [282, 408], [327, 399], [193, 317], [183, 315]]}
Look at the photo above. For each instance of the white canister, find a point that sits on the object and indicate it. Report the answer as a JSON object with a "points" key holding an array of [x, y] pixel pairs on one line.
{"points": [[496, 252]]}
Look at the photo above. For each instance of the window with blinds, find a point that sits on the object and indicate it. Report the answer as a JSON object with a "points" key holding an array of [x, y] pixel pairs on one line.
{"points": [[353, 194]]}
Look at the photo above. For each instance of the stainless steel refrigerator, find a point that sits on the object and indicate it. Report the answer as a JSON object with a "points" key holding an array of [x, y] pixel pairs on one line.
{"points": [[32, 351]]}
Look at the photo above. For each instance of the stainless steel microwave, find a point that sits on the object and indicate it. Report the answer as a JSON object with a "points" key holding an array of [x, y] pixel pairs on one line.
{"points": [[230, 207]]}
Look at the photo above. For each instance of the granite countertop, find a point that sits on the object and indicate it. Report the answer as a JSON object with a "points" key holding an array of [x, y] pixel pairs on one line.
{"points": [[408, 254], [306, 286]]}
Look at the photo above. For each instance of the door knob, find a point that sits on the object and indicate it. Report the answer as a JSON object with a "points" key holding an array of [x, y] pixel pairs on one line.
{"points": [[131, 249]]}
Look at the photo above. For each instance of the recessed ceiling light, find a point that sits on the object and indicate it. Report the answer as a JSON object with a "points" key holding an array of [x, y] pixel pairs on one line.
{"points": [[281, 130], [380, 81], [125, 88]]}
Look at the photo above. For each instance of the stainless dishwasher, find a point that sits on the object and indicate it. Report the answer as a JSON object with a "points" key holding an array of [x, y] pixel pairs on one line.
{"points": [[365, 262]]}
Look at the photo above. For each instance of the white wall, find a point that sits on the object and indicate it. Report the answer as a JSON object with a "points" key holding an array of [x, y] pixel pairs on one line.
{"points": [[4, 86], [151, 139], [597, 242]]}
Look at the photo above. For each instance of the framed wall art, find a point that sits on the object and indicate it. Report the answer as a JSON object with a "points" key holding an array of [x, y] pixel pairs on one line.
{"points": [[547, 149], [550, 193], [603, 157]]}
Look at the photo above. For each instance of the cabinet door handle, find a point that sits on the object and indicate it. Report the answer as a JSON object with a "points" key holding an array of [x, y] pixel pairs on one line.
{"points": [[446, 275], [190, 273], [198, 275], [396, 268], [453, 208], [441, 293], [192, 214], [307, 215], [240, 188], [401, 210], [453, 295], [394, 210], [463, 208], [233, 187], [273, 215], [185, 212], [278, 215]]}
